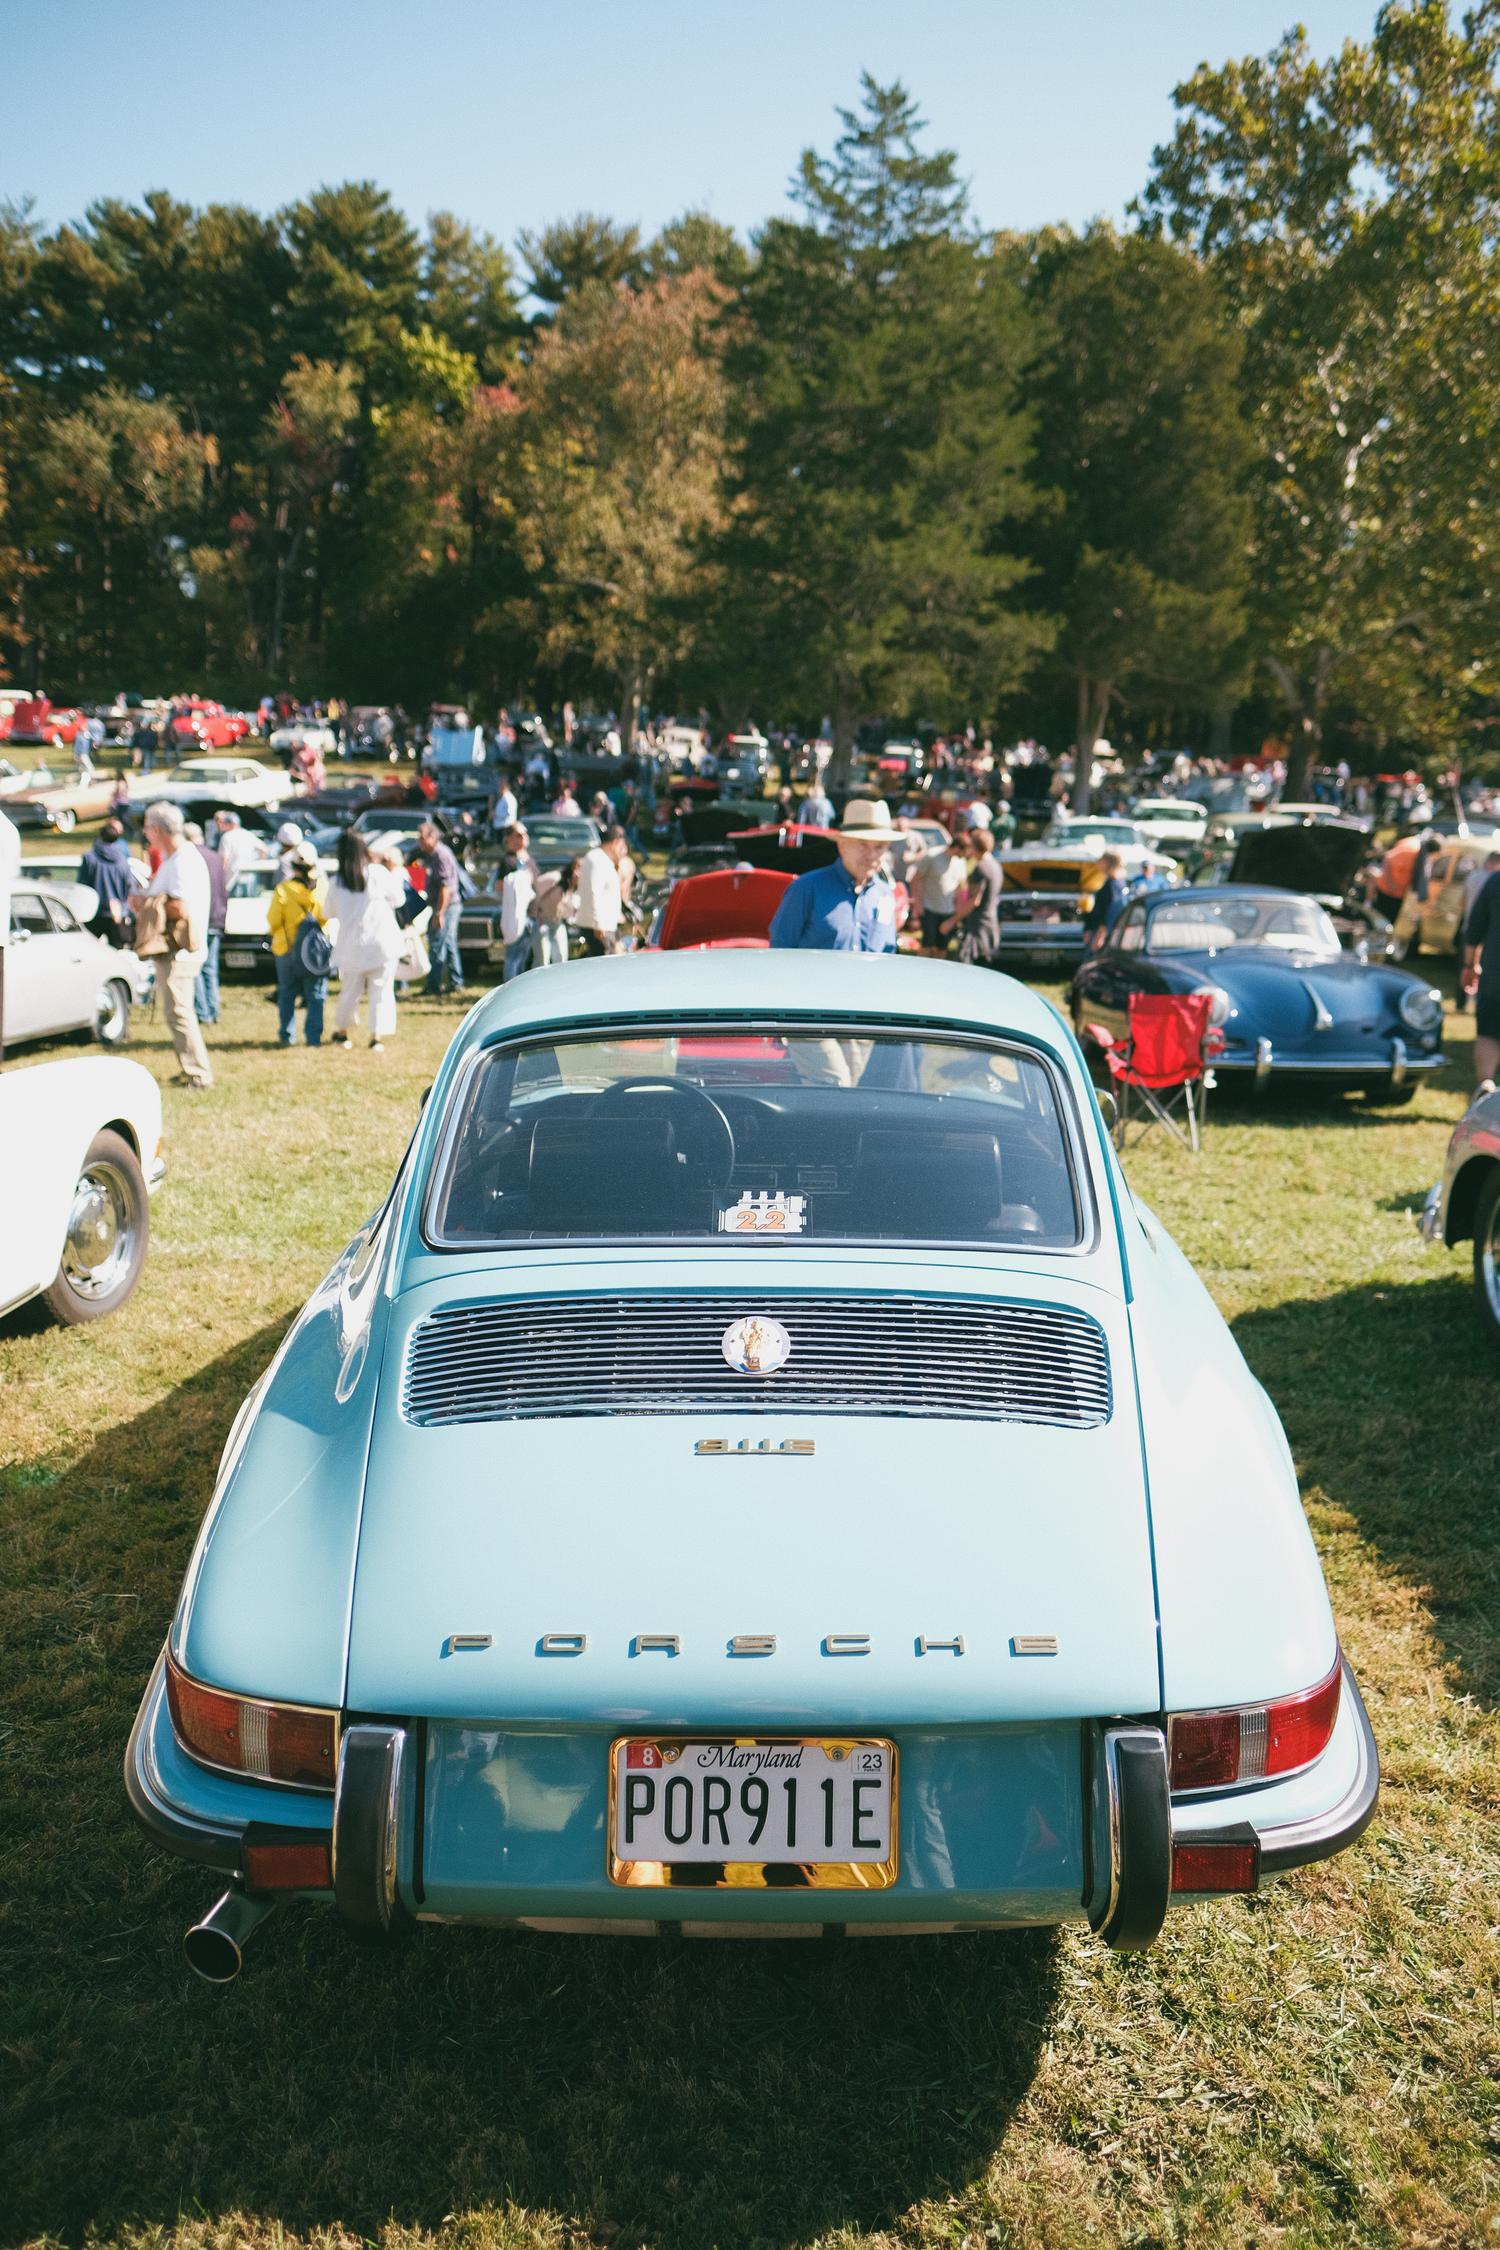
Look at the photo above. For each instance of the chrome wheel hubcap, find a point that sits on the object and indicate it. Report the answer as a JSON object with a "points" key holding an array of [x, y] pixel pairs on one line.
{"points": [[1490, 1267], [101, 1240]]}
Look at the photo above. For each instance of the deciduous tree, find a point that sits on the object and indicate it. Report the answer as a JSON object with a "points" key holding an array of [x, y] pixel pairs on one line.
{"points": [[1144, 548], [611, 476], [1350, 209]]}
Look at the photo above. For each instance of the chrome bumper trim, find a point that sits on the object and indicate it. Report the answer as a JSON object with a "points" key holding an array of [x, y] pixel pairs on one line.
{"points": [[1274, 1065], [1139, 1814], [366, 1824], [1430, 1217]]}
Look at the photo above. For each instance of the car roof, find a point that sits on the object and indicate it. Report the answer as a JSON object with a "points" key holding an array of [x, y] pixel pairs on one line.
{"points": [[1195, 893], [777, 984]]}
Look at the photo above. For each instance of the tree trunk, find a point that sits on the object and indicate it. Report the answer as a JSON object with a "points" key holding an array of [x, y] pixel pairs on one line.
{"points": [[1304, 711], [1220, 740], [634, 690], [1303, 753], [1094, 698], [839, 764], [107, 605], [284, 563]]}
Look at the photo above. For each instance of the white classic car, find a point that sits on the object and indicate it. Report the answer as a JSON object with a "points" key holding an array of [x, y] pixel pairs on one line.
{"points": [[1169, 821], [1077, 836], [232, 780], [83, 1150], [304, 734], [60, 977]]}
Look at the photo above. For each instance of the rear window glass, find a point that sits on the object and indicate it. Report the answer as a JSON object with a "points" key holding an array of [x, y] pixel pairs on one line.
{"points": [[765, 1136]]}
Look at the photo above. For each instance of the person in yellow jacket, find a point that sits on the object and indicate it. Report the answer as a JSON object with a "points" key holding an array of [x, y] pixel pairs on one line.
{"points": [[296, 917]]}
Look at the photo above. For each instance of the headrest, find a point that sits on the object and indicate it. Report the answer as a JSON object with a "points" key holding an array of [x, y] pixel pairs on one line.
{"points": [[586, 1173], [925, 1183]]}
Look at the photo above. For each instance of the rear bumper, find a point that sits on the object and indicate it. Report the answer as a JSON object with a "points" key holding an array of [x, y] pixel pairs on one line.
{"points": [[247, 953], [454, 1824]]}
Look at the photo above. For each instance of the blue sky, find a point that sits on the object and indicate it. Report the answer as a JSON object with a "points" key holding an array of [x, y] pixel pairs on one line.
{"points": [[512, 114]]}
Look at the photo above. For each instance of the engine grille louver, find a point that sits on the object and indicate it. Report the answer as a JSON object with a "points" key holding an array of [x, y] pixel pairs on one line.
{"points": [[527, 1357]]}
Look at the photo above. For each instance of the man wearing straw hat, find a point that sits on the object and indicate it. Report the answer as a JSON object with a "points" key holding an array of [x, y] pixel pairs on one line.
{"points": [[848, 906]]}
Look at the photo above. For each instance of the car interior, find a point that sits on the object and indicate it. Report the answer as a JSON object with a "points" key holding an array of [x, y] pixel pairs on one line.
{"points": [[858, 1152]]}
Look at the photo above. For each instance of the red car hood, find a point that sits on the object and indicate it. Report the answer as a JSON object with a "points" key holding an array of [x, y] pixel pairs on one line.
{"points": [[727, 906]]}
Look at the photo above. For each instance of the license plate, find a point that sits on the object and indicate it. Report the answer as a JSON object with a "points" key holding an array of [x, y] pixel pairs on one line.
{"points": [[238, 957], [721, 1812]]}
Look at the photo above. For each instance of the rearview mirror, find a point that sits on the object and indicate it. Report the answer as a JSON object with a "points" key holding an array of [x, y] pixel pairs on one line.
{"points": [[1109, 1108]]}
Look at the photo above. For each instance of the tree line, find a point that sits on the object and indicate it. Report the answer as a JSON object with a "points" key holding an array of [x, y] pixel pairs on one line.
{"points": [[1232, 464]]}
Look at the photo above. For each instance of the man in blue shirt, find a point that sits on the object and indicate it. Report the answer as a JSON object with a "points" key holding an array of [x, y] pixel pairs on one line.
{"points": [[850, 906]]}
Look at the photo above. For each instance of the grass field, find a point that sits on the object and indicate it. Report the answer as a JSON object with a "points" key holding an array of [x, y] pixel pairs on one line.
{"points": [[1317, 2066]]}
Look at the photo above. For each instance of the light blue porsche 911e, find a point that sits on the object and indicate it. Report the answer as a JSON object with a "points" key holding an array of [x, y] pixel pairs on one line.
{"points": [[760, 1471]]}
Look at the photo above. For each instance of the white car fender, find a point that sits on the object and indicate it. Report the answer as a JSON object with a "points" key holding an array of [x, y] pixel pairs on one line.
{"points": [[49, 1115]]}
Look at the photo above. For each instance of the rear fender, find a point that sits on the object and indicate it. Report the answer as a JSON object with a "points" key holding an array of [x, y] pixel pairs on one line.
{"points": [[1463, 1199]]}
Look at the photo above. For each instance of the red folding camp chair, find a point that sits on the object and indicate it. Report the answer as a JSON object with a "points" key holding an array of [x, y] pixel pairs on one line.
{"points": [[1163, 1064]]}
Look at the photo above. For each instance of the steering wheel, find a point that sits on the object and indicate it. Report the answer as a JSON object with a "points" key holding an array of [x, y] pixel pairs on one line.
{"points": [[715, 1131]]}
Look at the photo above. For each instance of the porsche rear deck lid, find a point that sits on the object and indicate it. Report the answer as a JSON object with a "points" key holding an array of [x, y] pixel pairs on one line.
{"points": [[944, 1358]]}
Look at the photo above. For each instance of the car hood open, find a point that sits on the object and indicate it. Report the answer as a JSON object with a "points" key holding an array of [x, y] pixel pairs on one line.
{"points": [[603, 1531], [1321, 859], [726, 906]]}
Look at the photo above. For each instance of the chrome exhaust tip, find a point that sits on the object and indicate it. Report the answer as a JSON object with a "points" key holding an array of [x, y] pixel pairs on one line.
{"points": [[215, 1947]]}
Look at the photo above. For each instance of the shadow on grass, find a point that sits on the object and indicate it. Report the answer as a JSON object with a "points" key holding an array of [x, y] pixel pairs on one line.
{"points": [[690, 2094], [1388, 1398]]}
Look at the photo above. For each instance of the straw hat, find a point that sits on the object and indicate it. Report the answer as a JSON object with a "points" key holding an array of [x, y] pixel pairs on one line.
{"points": [[867, 817]]}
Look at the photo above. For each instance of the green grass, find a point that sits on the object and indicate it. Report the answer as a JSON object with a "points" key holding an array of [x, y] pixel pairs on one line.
{"points": [[1317, 2066]]}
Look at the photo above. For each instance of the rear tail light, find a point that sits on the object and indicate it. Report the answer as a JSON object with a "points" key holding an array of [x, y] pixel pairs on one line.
{"points": [[1254, 1742], [287, 1742]]}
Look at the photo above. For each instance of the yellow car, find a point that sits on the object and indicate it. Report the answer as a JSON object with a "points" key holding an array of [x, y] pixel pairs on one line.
{"points": [[1434, 924]]}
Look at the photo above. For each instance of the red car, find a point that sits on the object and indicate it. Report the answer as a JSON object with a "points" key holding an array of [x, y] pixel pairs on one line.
{"points": [[33, 719], [727, 906], [196, 724], [735, 906]]}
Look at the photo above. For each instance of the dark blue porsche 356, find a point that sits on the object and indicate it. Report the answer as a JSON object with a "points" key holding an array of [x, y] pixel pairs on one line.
{"points": [[1287, 1000]]}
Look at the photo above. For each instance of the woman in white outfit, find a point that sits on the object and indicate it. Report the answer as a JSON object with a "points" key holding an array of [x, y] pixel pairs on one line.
{"points": [[362, 899], [556, 905]]}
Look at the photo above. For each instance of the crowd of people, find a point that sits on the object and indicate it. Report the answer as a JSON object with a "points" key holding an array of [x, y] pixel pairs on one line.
{"points": [[384, 923]]}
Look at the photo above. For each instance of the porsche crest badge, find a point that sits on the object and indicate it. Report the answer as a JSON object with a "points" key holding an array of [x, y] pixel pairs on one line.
{"points": [[756, 1346]]}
